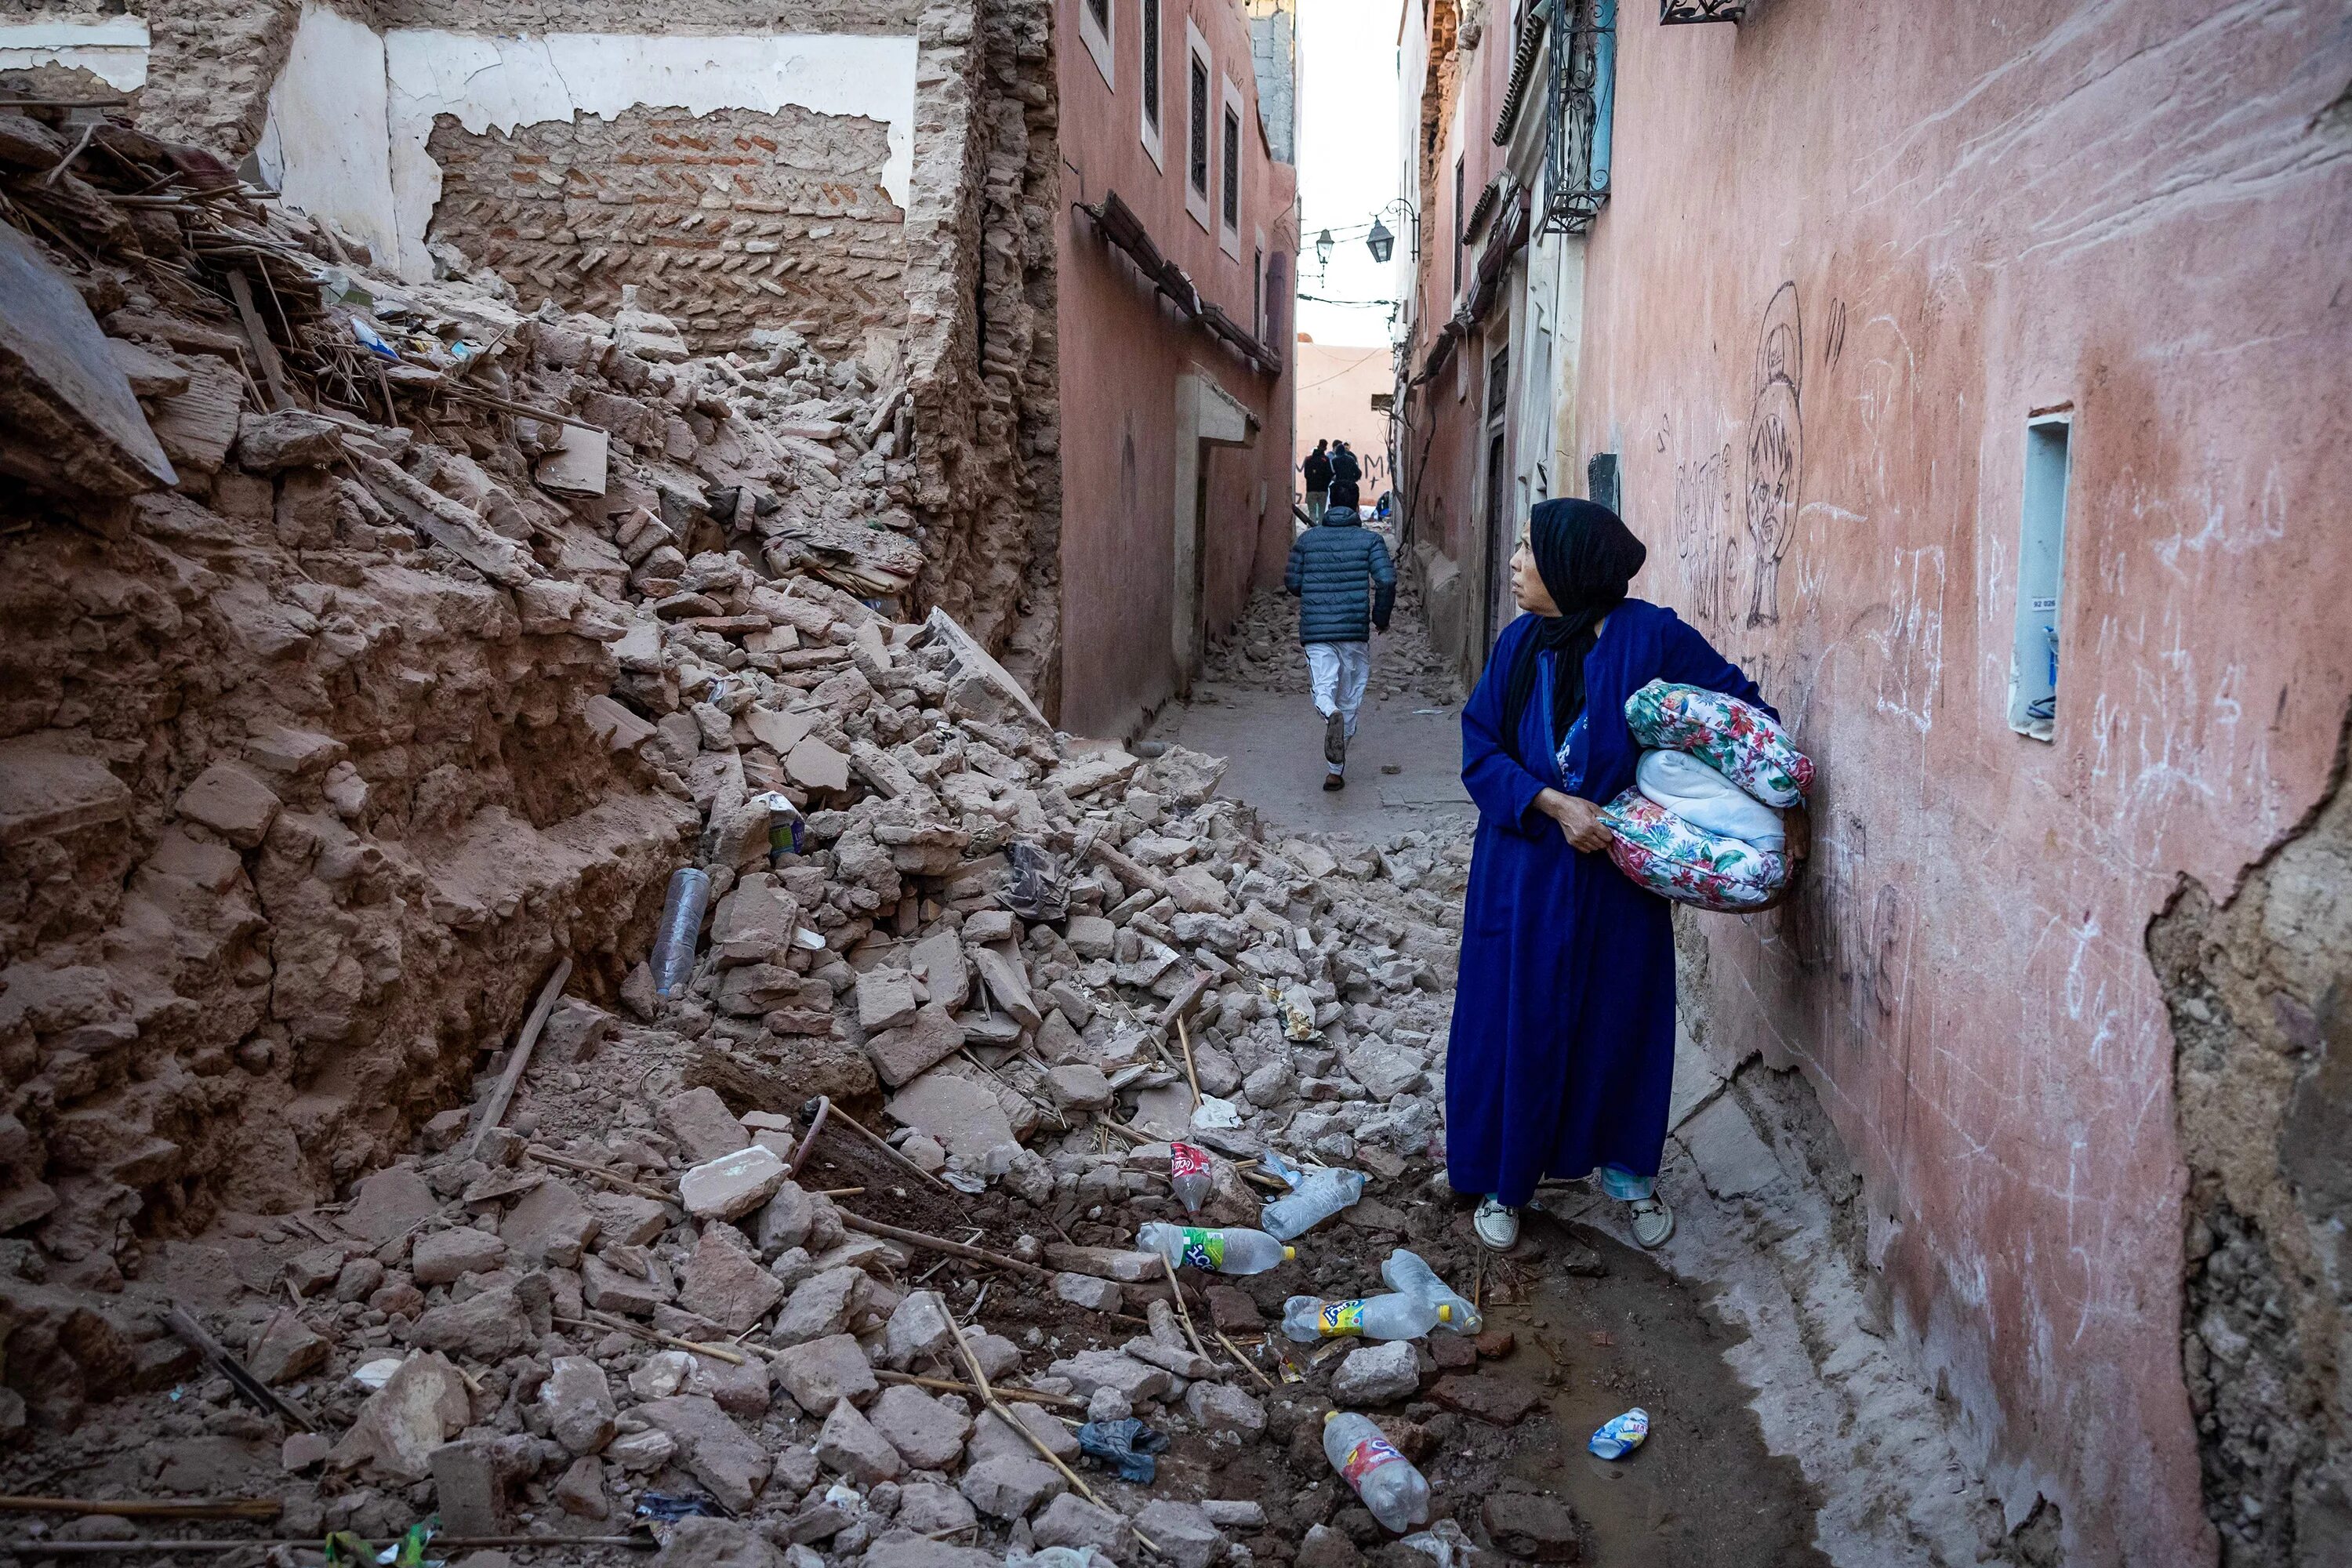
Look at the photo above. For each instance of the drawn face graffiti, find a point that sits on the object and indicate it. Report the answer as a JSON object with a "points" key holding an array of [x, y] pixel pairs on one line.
{"points": [[1776, 449]]}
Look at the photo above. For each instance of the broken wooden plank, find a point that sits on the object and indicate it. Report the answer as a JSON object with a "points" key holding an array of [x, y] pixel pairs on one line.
{"points": [[495, 1110], [265, 352]]}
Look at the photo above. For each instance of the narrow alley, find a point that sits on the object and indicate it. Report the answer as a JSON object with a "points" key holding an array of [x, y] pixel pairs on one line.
{"points": [[678, 881]]}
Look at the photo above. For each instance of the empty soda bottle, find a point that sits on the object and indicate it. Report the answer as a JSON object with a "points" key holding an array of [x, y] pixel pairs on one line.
{"points": [[1324, 1194], [1229, 1251], [1398, 1317], [1188, 1169], [681, 928], [1406, 1272], [1385, 1480]]}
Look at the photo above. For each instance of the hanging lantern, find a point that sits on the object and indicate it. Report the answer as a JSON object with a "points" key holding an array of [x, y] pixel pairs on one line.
{"points": [[1380, 240], [1323, 247]]}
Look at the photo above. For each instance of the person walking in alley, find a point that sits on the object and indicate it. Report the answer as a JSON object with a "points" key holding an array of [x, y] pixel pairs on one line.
{"points": [[1346, 475], [1317, 474], [1345, 586], [1561, 1057]]}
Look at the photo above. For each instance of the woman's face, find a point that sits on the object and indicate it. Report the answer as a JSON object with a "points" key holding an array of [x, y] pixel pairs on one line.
{"points": [[1527, 584]]}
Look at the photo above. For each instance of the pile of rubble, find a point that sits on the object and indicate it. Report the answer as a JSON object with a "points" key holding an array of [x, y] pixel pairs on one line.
{"points": [[1262, 650], [365, 693]]}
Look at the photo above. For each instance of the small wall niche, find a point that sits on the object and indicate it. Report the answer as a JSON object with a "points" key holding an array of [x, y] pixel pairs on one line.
{"points": [[2040, 568]]}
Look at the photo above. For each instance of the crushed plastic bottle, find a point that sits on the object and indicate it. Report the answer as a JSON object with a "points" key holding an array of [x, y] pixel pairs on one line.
{"points": [[1385, 1480], [1398, 1317], [1621, 1435], [1188, 1169], [1289, 1172], [680, 930], [1321, 1195], [1406, 1272], [1233, 1250]]}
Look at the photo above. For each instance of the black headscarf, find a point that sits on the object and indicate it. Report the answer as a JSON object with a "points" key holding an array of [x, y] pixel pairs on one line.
{"points": [[1585, 555]]}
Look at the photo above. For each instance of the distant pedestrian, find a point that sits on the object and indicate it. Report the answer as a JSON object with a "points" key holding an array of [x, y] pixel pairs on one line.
{"points": [[1319, 480], [1346, 473], [1346, 586]]}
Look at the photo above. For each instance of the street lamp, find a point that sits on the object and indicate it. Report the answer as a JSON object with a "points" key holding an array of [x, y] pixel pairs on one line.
{"points": [[1323, 247], [1380, 240]]}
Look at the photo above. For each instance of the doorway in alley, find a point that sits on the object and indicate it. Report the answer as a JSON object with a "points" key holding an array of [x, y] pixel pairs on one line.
{"points": [[1498, 541]]}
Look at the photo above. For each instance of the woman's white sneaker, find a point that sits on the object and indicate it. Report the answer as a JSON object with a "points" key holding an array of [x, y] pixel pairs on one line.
{"points": [[1653, 1222], [1496, 1226]]}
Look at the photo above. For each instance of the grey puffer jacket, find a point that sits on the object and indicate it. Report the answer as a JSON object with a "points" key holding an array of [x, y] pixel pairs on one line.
{"points": [[1344, 580]]}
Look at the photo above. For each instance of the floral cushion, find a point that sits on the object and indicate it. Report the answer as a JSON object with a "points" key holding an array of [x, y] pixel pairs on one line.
{"points": [[1737, 739], [1666, 854]]}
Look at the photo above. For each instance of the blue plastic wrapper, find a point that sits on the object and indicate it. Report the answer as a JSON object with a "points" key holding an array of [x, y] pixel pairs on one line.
{"points": [[1621, 1435], [1125, 1446], [668, 1507], [1274, 1165]]}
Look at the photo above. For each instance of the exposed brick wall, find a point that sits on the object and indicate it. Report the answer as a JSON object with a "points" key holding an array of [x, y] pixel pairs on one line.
{"points": [[725, 221], [981, 341]]}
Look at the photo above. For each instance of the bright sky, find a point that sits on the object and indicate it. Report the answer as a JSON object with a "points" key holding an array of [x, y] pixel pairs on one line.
{"points": [[1347, 161]]}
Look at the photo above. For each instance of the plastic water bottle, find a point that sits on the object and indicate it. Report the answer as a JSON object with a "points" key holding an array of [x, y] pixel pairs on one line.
{"points": [[1320, 1196], [1406, 1272], [1188, 1169], [1399, 1317], [1385, 1480], [680, 930], [1230, 1251]]}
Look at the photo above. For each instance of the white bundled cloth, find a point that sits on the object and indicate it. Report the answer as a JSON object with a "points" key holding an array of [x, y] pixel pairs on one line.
{"points": [[1681, 784]]}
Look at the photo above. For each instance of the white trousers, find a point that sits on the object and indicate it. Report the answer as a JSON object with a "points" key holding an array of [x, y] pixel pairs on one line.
{"points": [[1339, 671]]}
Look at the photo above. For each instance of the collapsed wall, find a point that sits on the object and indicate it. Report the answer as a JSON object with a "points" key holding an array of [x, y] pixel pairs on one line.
{"points": [[2258, 985]]}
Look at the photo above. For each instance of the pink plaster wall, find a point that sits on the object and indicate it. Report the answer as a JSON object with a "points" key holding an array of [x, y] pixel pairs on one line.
{"points": [[1122, 349], [1944, 217], [1445, 441], [1336, 384]]}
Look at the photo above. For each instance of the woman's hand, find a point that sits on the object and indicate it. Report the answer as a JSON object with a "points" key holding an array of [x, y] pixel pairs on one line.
{"points": [[1580, 820]]}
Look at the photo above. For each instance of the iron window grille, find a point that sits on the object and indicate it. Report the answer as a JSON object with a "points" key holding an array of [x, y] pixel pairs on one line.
{"points": [[1198, 160], [1670, 12], [1151, 62], [1572, 197]]}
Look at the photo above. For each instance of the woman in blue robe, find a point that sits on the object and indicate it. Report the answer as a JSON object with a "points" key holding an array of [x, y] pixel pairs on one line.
{"points": [[1561, 1057]]}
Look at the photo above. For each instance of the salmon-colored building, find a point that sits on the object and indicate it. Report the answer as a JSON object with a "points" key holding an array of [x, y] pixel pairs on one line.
{"points": [[1976, 376], [1177, 241], [1344, 390]]}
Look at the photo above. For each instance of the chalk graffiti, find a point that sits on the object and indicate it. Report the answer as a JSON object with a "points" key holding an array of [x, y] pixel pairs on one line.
{"points": [[1912, 645], [1702, 502], [1776, 449]]}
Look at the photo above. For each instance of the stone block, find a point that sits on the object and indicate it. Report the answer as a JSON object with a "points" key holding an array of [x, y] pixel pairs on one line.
{"points": [[705, 1129], [733, 1184], [848, 1443], [822, 1373], [1376, 1374], [926, 1431]]}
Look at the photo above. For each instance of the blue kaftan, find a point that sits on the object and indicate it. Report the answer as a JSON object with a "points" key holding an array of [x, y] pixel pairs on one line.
{"points": [[1561, 1055]]}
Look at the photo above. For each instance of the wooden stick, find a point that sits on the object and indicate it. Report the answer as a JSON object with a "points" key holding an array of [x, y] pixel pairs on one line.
{"points": [[727, 1353], [988, 1397], [1133, 872], [845, 1119], [936, 1244], [264, 351], [496, 1108], [1191, 1071], [255, 1392], [484, 400], [1183, 1311], [211, 1508], [950, 1385], [550, 1157], [1248, 1366]]}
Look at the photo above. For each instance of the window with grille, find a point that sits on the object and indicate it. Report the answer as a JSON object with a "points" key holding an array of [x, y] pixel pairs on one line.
{"points": [[1198, 161], [1151, 63], [1233, 169]]}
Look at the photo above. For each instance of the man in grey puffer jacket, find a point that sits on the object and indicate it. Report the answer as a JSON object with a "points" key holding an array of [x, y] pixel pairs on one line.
{"points": [[1345, 586]]}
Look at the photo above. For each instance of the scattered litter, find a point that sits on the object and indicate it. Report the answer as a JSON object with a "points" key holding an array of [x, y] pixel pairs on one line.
{"points": [[668, 1507], [1126, 1446], [1215, 1115], [1395, 1492], [1316, 1199], [1621, 1435], [1230, 1250], [1189, 1174], [377, 1373]]}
